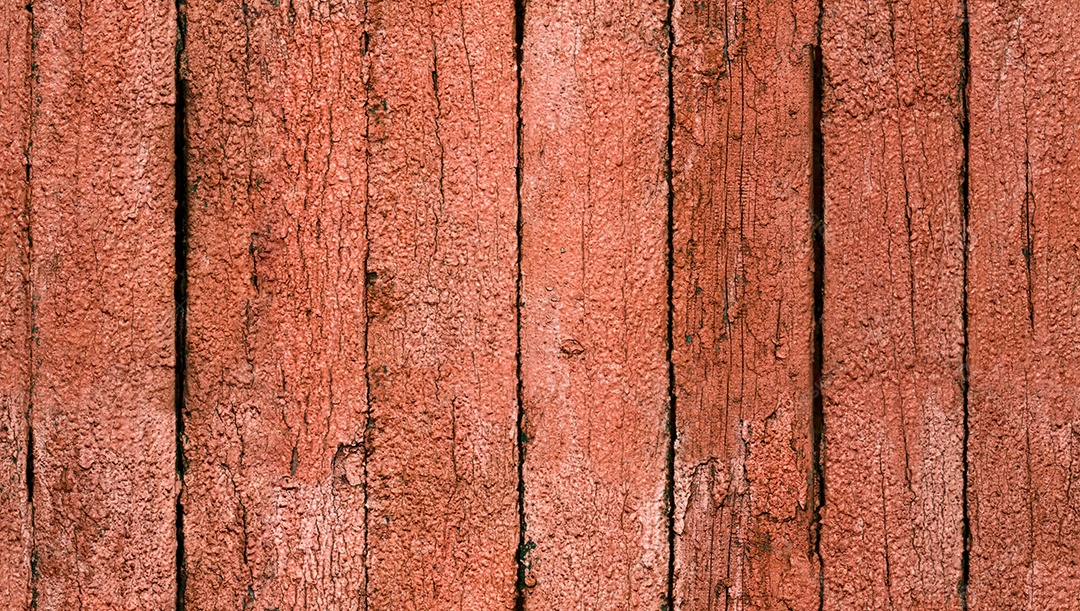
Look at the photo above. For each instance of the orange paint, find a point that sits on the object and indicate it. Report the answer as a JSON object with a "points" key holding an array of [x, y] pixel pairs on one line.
{"points": [[442, 463], [103, 313], [276, 391], [594, 314], [394, 258], [893, 311], [1024, 304], [15, 526], [743, 305]]}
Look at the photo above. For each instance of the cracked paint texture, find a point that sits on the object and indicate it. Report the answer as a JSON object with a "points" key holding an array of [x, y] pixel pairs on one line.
{"points": [[354, 327], [893, 323], [15, 92], [594, 303], [743, 304], [101, 218], [1024, 296], [442, 225], [274, 493]]}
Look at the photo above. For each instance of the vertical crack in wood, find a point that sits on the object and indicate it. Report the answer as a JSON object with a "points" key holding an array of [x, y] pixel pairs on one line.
{"points": [[669, 490], [180, 254], [817, 212], [965, 384], [28, 260], [30, 466], [29, 287], [522, 549], [369, 279]]}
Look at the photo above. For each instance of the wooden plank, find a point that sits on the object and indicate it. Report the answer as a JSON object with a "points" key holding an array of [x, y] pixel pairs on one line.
{"points": [[101, 224], [442, 466], [1024, 299], [276, 388], [893, 323], [743, 305], [15, 534], [594, 317]]}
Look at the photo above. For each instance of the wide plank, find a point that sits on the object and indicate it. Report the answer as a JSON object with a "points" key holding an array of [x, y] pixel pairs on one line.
{"points": [[102, 269], [276, 392], [442, 268], [1024, 305], [892, 520], [743, 305], [594, 295], [15, 534]]}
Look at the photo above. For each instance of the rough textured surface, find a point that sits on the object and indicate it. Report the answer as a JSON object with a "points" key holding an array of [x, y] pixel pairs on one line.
{"points": [[351, 266], [101, 223], [893, 325], [276, 391], [442, 468], [15, 309], [743, 304], [1024, 300], [594, 314]]}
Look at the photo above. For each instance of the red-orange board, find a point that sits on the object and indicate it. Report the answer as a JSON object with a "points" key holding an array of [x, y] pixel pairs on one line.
{"points": [[892, 520], [101, 221], [594, 207], [1024, 304], [743, 293], [15, 527]]}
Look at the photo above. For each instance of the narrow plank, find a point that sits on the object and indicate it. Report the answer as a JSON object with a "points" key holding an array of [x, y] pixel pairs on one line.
{"points": [[442, 465], [276, 388], [15, 534], [893, 323], [594, 290], [743, 304], [1024, 303], [101, 223]]}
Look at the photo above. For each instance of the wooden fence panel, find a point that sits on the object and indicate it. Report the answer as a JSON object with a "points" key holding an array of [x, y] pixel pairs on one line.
{"points": [[743, 293], [595, 375], [15, 533], [893, 310], [276, 388], [442, 461], [101, 229], [493, 305], [1024, 298]]}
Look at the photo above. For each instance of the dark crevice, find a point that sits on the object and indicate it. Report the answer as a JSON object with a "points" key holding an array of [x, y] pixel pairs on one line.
{"points": [[672, 423], [965, 194], [28, 261], [181, 569], [370, 277], [817, 214], [29, 296], [1027, 219], [180, 292], [521, 584], [30, 465]]}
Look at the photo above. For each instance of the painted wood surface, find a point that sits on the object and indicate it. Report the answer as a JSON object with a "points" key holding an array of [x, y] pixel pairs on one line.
{"points": [[15, 524], [594, 372], [742, 299], [101, 219], [1024, 304], [442, 268], [379, 304], [276, 394], [892, 521]]}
